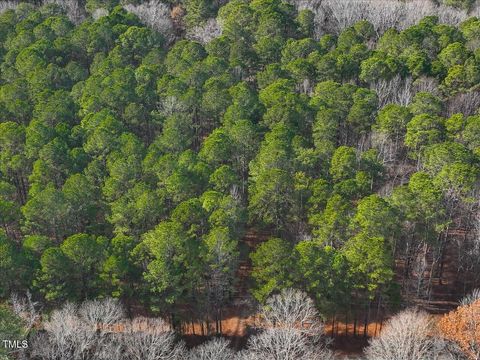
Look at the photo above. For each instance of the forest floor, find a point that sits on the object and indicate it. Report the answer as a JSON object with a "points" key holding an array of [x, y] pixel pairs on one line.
{"points": [[239, 321]]}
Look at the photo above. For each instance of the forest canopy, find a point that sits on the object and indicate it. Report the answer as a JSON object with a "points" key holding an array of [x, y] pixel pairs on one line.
{"points": [[137, 156]]}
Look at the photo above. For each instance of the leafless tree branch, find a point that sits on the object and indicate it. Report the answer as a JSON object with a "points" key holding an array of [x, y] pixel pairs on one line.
{"points": [[406, 336], [215, 349], [155, 14]]}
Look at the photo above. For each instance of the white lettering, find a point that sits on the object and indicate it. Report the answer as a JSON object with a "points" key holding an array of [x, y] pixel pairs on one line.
{"points": [[15, 344]]}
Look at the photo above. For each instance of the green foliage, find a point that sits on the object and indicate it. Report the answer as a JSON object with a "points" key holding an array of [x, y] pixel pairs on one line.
{"points": [[375, 217], [392, 120], [370, 262], [471, 134], [438, 155], [13, 265], [453, 54], [343, 164], [216, 148], [220, 255], [271, 189], [133, 163], [119, 271], [331, 225], [470, 30], [305, 20], [423, 130], [173, 261], [272, 262], [11, 327], [92, 5], [462, 77], [47, 213], [197, 11], [421, 203], [323, 271], [81, 253], [361, 114], [463, 4], [223, 178], [426, 103], [378, 67]]}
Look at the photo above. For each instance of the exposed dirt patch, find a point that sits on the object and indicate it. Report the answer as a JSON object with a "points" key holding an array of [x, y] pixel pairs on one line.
{"points": [[447, 286]]}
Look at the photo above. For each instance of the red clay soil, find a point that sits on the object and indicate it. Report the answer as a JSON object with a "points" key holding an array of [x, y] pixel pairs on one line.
{"points": [[238, 318], [232, 326]]}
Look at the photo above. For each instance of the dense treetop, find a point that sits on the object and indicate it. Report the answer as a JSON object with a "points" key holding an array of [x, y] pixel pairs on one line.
{"points": [[131, 165]]}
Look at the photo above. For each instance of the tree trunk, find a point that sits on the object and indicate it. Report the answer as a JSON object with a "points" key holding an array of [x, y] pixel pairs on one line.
{"points": [[333, 325], [221, 330], [442, 254], [435, 260], [355, 323], [346, 324], [367, 318], [378, 311]]}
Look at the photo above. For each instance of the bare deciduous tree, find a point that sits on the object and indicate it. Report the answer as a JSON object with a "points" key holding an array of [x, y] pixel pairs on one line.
{"points": [[206, 32], [426, 84], [41, 347], [145, 324], [101, 313], [110, 348], [383, 15], [97, 330], [465, 103], [401, 91], [74, 9], [406, 336], [171, 105], [315, 6], [73, 332], [284, 343], [215, 349], [450, 15], [26, 309], [469, 247], [387, 149], [291, 330], [151, 339], [147, 346], [291, 309], [155, 14], [7, 5], [394, 91], [336, 15], [474, 296], [99, 13], [446, 350], [66, 336]]}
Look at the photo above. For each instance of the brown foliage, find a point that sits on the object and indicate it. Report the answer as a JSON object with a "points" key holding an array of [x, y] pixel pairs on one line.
{"points": [[463, 327], [177, 14]]}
